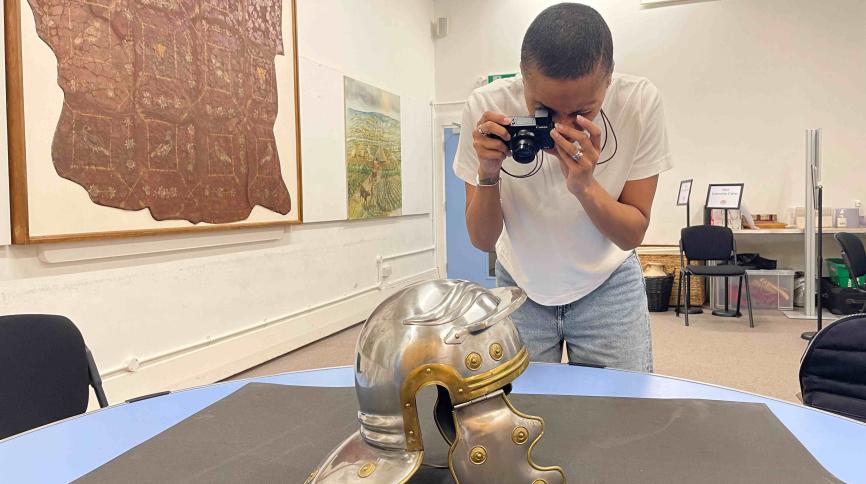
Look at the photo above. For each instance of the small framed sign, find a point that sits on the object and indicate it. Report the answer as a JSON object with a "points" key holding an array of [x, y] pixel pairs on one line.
{"points": [[685, 192], [728, 195]]}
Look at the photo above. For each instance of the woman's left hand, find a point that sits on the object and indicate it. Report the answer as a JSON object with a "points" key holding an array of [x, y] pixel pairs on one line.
{"points": [[578, 152]]}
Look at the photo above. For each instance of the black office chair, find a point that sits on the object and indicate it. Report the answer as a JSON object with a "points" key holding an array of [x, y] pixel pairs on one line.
{"points": [[854, 257], [710, 243], [833, 368], [45, 371]]}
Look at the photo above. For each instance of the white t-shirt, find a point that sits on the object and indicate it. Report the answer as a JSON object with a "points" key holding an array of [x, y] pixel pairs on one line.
{"points": [[549, 244]]}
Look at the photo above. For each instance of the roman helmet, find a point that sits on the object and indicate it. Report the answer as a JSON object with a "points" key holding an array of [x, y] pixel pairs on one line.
{"points": [[458, 336]]}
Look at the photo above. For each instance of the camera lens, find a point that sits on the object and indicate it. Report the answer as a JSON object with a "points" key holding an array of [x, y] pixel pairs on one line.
{"points": [[523, 148]]}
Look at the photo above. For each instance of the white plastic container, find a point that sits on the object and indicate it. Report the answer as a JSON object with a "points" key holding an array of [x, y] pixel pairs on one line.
{"points": [[717, 217], [770, 290], [847, 218], [826, 218]]}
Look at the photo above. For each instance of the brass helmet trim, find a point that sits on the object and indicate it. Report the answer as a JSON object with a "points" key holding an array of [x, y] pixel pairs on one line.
{"points": [[461, 390]]}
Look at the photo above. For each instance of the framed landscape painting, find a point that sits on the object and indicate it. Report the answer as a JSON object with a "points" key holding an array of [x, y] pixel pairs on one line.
{"points": [[373, 151]]}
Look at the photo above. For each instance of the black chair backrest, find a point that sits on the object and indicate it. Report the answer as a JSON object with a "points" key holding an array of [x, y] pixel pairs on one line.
{"points": [[853, 251], [43, 371], [833, 368], [707, 242]]}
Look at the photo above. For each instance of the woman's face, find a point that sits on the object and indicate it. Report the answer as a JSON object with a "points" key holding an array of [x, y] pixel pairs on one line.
{"points": [[565, 99]]}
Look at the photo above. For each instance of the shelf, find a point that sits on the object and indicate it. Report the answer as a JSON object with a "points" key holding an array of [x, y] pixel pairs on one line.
{"points": [[768, 231], [827, 231], [857, 230]]}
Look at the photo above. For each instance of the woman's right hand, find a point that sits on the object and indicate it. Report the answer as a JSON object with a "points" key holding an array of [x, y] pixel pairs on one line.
{"points": [[488, 139]]}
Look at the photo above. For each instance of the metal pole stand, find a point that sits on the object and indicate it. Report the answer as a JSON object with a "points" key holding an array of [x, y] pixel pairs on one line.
{"points": [[692, 309], [727, 312], [814, 245], [819, 246]]}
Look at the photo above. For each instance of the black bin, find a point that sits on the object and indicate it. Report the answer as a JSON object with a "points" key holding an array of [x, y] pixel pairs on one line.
{"points": [[658, 292]]}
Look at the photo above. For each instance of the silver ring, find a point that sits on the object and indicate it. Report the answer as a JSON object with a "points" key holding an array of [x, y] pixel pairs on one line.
{"points": [[577, 156], [481, 130]]}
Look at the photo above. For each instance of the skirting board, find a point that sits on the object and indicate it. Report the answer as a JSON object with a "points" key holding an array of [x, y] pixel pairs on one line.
{"points": [[202, 365]]}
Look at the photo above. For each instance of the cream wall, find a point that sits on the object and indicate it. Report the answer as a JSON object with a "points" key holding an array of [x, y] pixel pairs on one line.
{"points": [[189, 310], [741, 81]]}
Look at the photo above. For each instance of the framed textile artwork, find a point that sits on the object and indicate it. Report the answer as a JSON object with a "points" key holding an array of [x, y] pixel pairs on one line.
{"points": [[141, 117]]}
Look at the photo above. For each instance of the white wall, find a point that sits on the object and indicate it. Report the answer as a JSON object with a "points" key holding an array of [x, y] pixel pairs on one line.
{"points": [[741, 81], [194, 315]]}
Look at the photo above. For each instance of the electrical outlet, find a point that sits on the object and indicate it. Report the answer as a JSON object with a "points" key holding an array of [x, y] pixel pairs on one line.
{"points": [[133, 364], [857, 203], [386, 270]]}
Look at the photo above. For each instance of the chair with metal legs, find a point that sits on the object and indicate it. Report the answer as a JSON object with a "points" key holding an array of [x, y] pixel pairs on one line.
{"points": [[45, 372], [854, 257], [710, 243]]}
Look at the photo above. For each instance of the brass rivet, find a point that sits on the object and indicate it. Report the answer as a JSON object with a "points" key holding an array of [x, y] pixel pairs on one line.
{"points": [[478, 455], [411, 432], [520, 435], [408, 405], [473, 361], [311, 476], [429, 371], [496, 351], [366, 469], [459, 390]]}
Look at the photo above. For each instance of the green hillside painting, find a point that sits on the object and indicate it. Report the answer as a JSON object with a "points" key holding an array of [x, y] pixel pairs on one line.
{"points": [[373, 170]]}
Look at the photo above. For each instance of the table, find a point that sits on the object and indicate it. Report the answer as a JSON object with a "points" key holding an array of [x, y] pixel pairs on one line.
{"points": [[66, 450]]}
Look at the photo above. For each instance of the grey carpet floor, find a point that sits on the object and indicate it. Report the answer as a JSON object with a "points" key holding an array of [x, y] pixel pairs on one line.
{"points": [[721, 351]]}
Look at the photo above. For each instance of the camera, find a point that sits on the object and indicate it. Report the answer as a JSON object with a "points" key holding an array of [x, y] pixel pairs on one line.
{"points": [[529, 135]]}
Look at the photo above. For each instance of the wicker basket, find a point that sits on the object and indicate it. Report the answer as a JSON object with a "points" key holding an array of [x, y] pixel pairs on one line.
{"points": [[671, 263]]}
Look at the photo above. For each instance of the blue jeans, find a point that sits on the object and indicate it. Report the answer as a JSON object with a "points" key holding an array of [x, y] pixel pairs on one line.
{"points": [[609, 326]]}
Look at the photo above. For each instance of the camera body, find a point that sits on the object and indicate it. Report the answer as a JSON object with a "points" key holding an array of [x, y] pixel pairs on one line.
{"points": [[529, 135]]}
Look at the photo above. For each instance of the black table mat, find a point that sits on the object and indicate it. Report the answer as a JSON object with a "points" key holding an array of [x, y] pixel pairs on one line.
{"points": [[277, 433]]}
